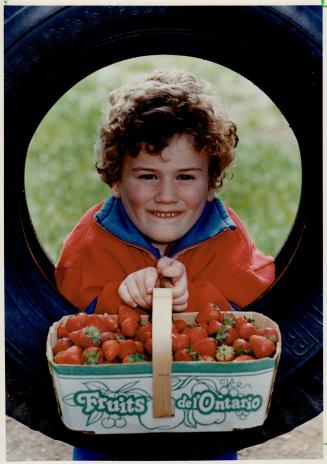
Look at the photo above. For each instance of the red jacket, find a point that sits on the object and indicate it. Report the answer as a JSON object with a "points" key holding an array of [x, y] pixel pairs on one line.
{"points": [[222, 263]]}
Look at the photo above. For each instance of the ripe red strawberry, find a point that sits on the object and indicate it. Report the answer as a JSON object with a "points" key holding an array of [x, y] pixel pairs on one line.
{"points": [[129, 327], [93, 355], [96, 320], [144, 332], [206, 346], [225, 353], [76, 322], [208, 313], [72, 355], [139, 346], [148, 345], [88, 336], [180, 325], [62, 331], [271, 333], [174, 328], [195, 333], [125, 312], [180, 341], [183, 355], [239, 321], [246, 330], [244, 357], [241, 346], [110, 349], [133, 358], [229, 319], [62, 344], [127, 347], [213, 327], [109, 336], [111, 322], [226, 335], [261, 346]]}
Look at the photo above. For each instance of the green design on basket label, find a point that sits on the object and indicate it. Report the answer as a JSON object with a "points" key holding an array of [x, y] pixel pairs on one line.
{"points": [[197, 401]]}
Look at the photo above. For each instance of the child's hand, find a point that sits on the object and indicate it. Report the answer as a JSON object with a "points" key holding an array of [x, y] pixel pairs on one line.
{"points": [[172, 274], [137, 288]]}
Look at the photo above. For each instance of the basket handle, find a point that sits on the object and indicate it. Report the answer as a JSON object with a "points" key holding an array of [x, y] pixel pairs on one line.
{"points": [[162, 352]]}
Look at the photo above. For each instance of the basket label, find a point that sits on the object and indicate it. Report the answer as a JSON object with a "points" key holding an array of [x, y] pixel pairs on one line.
{"points": [[200, 401]]}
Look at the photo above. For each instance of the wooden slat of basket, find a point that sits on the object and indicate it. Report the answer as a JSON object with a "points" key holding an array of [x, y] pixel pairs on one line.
{"points": [[162, 352]]}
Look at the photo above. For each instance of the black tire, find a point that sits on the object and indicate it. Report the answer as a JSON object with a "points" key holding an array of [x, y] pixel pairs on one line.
{"points": [[48, 50]]}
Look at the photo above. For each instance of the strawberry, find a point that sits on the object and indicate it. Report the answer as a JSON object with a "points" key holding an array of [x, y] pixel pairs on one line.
{"points": [[93, 355], [129, 326], [174, 329], [213, 327], [108, 336], [225, 353], [239, 321], [96, 320], [88, 336], [241, 346], [110, 349], [148, 345], [124, 312], [110, 321], [206, 346], [246, 330], [271, 333], [133, 358], [62, 344], [227, 335], [244, 357], [180, 325], [62, 331], [208, 313], [139, 346], [72, 355], [195, 333], [229, 319], [180, 341], [76, 322], [144, 332], [183, 355], [261, 346], [127, 347]]}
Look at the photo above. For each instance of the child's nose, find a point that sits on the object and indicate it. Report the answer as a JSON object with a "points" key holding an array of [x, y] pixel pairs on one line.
{"points": [[166, 192]]}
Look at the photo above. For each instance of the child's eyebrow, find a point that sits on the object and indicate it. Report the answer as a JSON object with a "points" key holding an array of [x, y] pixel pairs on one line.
{"points": [[155, 170]]}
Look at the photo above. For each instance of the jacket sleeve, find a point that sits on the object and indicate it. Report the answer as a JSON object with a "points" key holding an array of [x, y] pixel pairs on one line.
{"points": [[247, 274], [81, 288], [77, 272]]}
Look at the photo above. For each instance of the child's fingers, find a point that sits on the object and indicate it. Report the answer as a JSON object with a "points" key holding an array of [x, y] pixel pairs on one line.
{"points": [[181, 299], [150, 279], [179, 308], [135, 293], [174, 269], [125, 296]]}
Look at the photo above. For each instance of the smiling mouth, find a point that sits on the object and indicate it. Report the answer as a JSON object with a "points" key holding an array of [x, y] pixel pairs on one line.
{"points": [[167, 215]]}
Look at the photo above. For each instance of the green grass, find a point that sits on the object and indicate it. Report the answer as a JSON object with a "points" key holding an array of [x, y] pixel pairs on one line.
{"points": [[61, 181]]}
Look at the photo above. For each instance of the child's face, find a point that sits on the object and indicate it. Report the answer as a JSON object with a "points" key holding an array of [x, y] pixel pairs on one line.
{"points": [[165, 195]]}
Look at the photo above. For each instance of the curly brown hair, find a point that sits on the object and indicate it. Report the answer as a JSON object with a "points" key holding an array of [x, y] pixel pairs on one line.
{"points": [[145, 116]]}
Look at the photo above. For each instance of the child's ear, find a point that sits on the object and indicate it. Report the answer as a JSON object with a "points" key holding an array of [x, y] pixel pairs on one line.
{"points": [[115, 190], [211, 195]]}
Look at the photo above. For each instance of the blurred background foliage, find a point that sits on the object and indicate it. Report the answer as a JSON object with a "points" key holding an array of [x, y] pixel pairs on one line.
{"points": [[263, 185]]}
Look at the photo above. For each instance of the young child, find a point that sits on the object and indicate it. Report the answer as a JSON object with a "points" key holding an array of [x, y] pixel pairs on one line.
{"points": [[163, 149]]}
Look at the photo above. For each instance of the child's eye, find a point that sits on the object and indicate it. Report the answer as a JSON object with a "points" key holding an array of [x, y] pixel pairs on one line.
{"points": [[147, 176], [185, 177]]}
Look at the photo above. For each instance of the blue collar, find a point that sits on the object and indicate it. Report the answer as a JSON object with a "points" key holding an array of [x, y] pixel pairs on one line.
{"points": [[213, 220]]}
